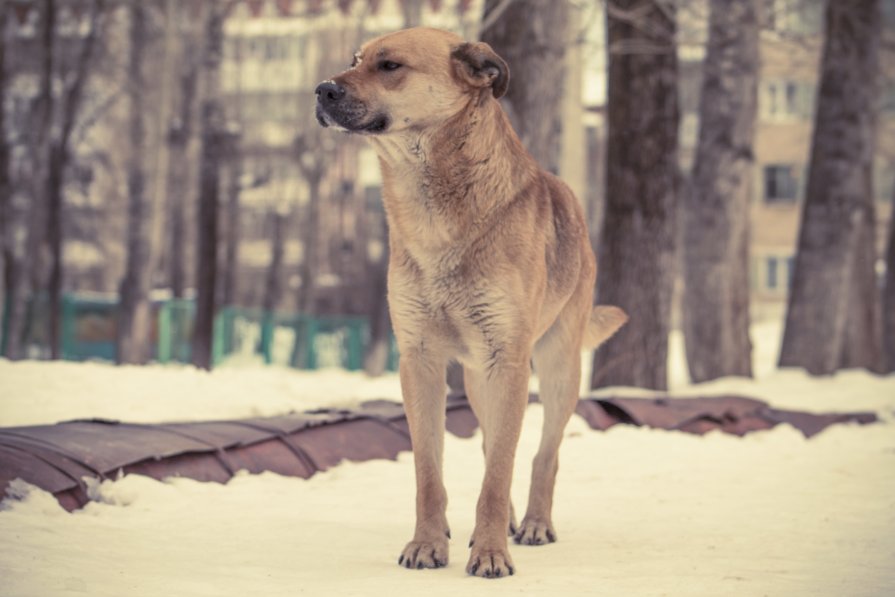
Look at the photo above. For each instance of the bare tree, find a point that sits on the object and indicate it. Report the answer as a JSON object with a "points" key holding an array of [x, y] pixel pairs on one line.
{"points": [[532, 35], [24, 271], [6, 208], [716, 212], [833, 312], [58, 158], [232, 239], [312, 161], [273, 289], [889, 298], [134, 311], [213, 140], [637, 242], [181, 175], [377, 350]]}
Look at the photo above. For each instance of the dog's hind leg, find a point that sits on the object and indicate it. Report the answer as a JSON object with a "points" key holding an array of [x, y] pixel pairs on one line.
{"points": [[474, 383], [557, 361], [423, 387]]}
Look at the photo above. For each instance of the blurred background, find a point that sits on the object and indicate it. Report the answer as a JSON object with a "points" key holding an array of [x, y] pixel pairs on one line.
{"points": [[166, 194]]}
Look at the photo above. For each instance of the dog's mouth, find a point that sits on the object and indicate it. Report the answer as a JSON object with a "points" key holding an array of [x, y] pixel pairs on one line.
{"points": [[352, 120], [378, 125]]}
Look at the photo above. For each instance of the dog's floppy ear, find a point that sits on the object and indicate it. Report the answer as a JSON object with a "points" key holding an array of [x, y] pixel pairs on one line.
{"points": [[480, 66]]}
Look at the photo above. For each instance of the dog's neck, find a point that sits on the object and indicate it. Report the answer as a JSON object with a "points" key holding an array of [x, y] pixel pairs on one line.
{"points": [[454, 179]]}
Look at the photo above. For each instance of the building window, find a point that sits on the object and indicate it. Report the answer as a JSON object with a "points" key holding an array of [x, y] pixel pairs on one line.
{"points": [[781, 184], [771, 270], [786, 100], [776, 274]]}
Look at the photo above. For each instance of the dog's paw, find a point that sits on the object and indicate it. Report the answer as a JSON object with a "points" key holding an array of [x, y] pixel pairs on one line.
{"points": [[490, 563], [535, 532], [425, 554]]}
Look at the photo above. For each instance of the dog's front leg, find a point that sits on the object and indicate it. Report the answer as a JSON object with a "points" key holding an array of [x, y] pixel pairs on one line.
{"points": [[423, 388], [506, 396]]}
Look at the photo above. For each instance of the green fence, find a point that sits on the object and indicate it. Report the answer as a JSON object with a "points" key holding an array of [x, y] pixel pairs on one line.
{"points": [[89, 329], [289, 339]]}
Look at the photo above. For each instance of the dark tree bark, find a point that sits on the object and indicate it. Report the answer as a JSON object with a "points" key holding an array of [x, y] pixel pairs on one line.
{"points": [[24, 277], [863, 343], [376, 357], [231, 245], [272, 284], [57, 161], [831, 317], [637, 242], [716, 212], [134, 311], [7, 255], [180, 177], [889, 298], [213, 139], [310, 260], [312, 157], [531, 35]]}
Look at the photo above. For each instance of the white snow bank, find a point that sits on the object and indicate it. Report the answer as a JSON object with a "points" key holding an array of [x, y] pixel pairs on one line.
{"points": [[41, 392], [638, 512]]}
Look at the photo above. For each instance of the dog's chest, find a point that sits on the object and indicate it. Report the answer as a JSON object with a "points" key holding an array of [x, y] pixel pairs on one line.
{"points": [[459, 309]]}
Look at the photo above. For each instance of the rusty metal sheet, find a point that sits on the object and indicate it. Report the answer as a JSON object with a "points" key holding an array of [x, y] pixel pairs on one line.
{"points": [[811, 424], [596, 415], [737, 415], [58, 457]]}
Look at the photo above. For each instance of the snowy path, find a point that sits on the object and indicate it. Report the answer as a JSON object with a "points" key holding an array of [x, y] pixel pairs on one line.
{"points": [[638, 511]]}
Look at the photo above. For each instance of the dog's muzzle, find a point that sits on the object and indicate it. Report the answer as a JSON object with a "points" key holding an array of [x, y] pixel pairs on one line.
{"points": [[335, 107]]}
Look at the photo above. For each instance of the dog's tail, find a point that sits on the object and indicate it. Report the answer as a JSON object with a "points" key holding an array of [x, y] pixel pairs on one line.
{"points": [[604, 321]]}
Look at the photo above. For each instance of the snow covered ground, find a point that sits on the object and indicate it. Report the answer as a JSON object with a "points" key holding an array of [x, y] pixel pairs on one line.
{"points": [[638, 511]]}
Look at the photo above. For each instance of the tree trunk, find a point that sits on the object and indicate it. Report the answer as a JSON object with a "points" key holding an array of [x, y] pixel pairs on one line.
{"points": [[134, 311], [716, 214], [531, 35], [58, 159], [889, 298], [412, 10], [24, 276], [863, 342], [832, 267], [272, 287], [7, 255], [637, 242], [231, 245], [180, 175], [376, 357], [207, 220], [308, 271]]}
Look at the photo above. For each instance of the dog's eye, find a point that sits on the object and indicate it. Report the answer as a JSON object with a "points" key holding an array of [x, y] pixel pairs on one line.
{"points": [[389, 65]]}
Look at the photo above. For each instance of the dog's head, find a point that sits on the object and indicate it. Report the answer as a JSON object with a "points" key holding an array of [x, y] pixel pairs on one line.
{"points": [[416, 78]]}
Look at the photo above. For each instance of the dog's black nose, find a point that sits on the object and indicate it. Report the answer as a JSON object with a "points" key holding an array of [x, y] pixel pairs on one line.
{"points": [[330, 91]]}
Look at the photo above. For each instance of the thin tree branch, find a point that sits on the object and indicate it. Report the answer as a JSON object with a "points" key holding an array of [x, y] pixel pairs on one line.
{"points": [[492, 17]]}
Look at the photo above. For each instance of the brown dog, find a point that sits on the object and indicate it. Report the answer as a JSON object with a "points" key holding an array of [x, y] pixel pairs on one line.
{"points": [[490, 265]]}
